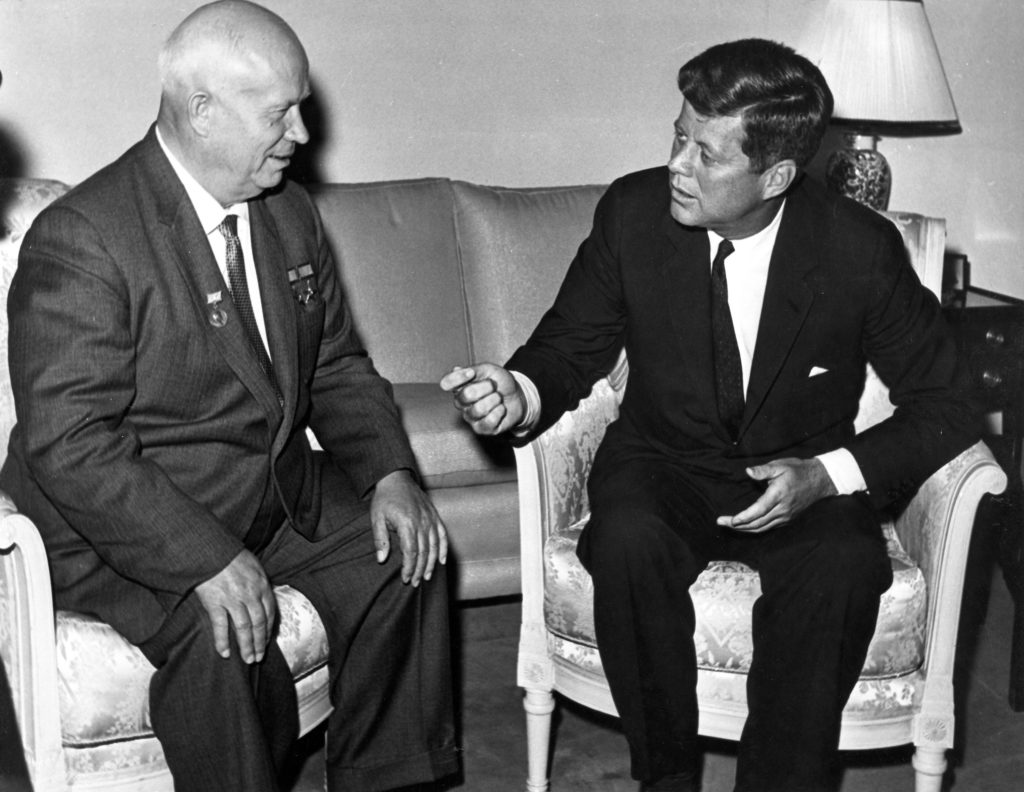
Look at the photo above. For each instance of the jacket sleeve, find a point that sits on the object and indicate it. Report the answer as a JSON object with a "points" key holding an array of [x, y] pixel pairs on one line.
{"points": [[72, 365], [353, 412], [908, 342], [578, 339]]}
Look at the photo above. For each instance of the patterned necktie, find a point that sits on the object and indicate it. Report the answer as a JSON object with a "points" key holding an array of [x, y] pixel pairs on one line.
{"points": [[728, 370], [240, 293]]}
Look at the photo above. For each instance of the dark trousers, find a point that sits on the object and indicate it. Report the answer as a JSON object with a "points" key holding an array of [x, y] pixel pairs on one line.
{"points": [[224, 725], [652, 531]]}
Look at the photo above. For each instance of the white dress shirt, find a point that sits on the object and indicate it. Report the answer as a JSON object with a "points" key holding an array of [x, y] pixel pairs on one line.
{"points": [[211, 215], [746, 270]]}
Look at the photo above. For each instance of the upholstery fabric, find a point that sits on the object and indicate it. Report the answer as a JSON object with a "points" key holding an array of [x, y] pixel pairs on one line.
{"points": [[105, 702], [723, 597], [516, 245], [395, 246], [448, 455]]}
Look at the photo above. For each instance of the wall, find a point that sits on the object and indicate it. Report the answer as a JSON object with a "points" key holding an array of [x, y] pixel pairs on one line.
{"points": [[516, 92]]}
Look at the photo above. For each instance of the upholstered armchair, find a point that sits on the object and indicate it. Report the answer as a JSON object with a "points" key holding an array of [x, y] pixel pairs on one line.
{"points": [[905, 693], [81, 692]]}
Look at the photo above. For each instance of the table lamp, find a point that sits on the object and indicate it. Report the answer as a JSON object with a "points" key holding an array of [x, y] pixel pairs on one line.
{"points": [[881, 62]]}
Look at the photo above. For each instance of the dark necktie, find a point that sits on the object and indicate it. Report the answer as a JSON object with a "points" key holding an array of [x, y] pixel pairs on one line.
{"points": [[728, 370], [240, 293]]}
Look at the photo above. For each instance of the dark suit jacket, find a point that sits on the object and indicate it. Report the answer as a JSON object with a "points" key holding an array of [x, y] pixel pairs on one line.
{"points": [[840, 293], [148, 441]]}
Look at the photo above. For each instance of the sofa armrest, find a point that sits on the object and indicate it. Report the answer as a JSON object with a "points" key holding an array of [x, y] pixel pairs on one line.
{"points": [[935, 530], [553, 470], [27, 644]]}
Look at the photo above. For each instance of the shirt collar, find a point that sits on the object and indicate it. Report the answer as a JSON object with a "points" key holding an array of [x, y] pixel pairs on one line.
{"points": [[766, 236], [210, 212]]}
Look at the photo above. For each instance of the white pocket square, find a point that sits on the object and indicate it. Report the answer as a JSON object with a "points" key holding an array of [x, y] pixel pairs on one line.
{"points": [[816, 370]]}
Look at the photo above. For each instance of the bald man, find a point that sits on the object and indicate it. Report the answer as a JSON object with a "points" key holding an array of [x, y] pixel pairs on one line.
{"points": [[176, 324]]}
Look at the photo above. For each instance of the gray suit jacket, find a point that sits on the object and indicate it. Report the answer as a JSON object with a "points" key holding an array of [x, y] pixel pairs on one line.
{"points": [[148, 441]]}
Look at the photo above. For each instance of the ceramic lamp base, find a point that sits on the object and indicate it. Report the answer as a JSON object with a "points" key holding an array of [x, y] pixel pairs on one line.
{"points": [[859, 171]]}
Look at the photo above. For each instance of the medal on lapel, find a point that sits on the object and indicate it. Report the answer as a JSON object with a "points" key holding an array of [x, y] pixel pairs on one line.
{"points": [[301, 280], [217, 315]]}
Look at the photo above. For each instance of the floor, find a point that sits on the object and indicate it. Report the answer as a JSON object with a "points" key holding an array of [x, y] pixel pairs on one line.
{"points": [[590, 753]]}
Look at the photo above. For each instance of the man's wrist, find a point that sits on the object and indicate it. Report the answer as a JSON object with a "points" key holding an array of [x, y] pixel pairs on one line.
{"points": [[531, 405], [844, 471]]}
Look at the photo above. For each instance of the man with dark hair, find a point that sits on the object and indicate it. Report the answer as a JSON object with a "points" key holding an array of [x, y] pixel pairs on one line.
{"points": [[748, 301], [176, 325]]}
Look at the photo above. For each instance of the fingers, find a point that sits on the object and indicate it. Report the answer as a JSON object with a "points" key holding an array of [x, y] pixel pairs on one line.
{"points": [[240, 598], [221, 625], [486, 396], [381, 540]]}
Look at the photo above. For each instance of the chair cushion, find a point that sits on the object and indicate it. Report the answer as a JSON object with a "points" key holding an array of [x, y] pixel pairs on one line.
{"points": [[723, 597], [108, 702], [447, 453]]}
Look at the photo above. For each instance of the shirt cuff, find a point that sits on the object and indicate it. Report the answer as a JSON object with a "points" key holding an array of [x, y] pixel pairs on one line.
{"points": [[844, 471], [532, 398]]}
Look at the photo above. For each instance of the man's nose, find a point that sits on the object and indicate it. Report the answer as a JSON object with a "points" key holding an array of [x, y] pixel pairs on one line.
{"points": [[681, 160], [297, 131]]}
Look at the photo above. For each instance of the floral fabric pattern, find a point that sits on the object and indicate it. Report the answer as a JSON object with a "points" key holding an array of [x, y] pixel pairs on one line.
{"points": [[723, 598], [104, 703]]}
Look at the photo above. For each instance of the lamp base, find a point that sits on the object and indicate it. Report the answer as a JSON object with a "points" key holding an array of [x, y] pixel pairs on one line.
{"points": [[859, 171]]}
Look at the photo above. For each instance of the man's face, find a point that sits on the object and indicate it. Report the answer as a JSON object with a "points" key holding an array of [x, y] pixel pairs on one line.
{"points": [[712, 184], [256, 125]]}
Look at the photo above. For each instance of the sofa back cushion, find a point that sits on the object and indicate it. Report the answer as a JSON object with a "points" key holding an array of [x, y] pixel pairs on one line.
{"points": [[515, 246], [395, 247]]}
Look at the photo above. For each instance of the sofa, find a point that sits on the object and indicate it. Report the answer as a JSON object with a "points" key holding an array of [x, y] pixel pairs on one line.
{"points": [[438, 273]]}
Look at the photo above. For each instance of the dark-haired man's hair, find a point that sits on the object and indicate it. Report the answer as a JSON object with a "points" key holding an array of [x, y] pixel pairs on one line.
{"points": [[781, 96]]}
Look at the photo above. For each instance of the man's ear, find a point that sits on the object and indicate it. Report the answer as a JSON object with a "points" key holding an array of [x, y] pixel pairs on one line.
{"points": [[199, 110], [778, 178]]}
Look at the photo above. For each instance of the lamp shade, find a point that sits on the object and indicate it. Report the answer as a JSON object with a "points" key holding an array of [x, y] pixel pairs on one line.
{"points": [[881, 62]]}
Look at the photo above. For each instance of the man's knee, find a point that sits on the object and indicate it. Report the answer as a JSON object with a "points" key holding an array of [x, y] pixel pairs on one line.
{"points": [[624, 539], [845, 541]]}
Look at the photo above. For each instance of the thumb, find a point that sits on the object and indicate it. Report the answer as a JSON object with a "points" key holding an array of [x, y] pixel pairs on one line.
{"points": [[761, 472]]}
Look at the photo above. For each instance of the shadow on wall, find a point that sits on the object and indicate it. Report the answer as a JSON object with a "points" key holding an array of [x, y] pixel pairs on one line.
{"points": [[305, 166], [12, 154]]}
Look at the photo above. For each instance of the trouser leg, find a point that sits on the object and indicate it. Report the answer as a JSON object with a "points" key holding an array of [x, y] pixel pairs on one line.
{"points": [[389, 664], [223, 725], [821, 578], [644, 546]]}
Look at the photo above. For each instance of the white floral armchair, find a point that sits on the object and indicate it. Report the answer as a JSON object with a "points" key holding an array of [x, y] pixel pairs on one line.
{"points": [[81, 692], [905, 693]]}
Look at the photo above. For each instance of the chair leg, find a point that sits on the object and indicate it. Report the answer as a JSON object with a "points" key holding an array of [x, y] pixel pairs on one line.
{"points": [[539, 704], [929, 767]]}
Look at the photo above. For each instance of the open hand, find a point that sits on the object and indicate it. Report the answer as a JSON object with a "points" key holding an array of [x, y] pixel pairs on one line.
{"points": [[240, 596], [793, 485], [401, 507]]}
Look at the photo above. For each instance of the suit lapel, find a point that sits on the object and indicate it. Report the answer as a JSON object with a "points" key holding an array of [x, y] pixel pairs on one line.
{"points": [[686, 273], [278, 300], [187, 246], [788, 297]]}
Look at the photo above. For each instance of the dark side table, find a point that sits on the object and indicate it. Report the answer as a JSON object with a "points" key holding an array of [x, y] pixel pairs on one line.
{"points": [[990, 333]]}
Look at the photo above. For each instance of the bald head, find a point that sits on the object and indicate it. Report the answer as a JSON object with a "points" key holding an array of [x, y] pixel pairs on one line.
{"points": [[233, 75], [218, 40]]}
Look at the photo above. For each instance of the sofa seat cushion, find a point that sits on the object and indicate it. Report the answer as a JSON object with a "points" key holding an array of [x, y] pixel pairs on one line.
{"points": [[447, 452], [107, 702], [723, 598]]}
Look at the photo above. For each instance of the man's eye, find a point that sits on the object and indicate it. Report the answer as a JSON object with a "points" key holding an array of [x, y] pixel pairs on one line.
{"points": [[706, 158]]}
